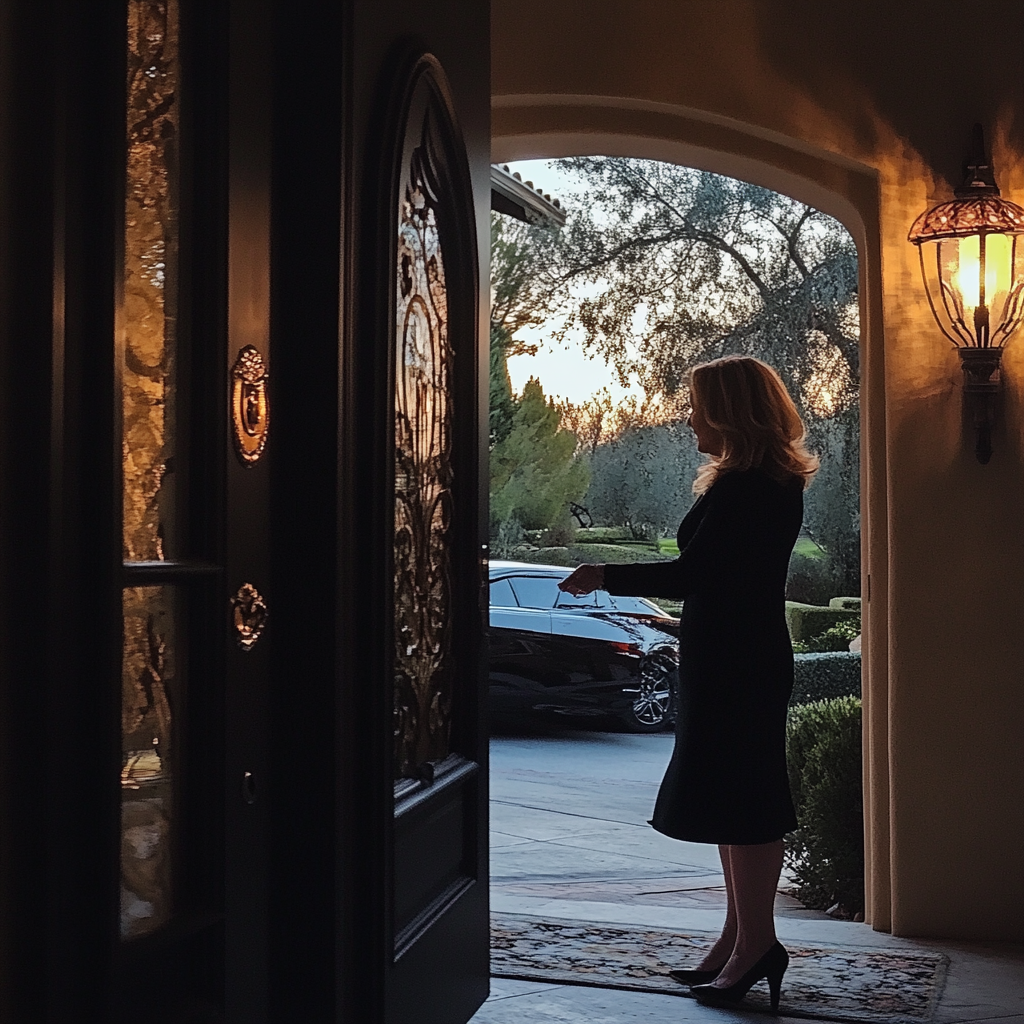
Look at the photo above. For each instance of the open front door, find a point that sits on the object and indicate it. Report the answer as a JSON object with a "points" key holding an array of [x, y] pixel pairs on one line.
{"points": [[437, 907]]}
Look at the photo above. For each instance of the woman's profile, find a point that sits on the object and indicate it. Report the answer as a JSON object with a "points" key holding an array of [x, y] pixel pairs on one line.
{"points": [[726, 782]]}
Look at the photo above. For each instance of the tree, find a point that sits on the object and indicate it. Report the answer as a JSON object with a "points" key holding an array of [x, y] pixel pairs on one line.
{"points": [[683, 266], [534, 474], [518, 299], [642, 479]]}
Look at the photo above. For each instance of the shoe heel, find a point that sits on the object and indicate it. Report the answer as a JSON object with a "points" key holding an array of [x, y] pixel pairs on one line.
{"points": [[774, 975]]}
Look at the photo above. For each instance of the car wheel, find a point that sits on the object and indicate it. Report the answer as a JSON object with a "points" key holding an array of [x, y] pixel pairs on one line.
{"points": [[652, 698]]}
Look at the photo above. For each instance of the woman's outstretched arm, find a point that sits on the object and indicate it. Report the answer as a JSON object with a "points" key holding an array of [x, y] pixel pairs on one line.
{"points": [[720, 528]]}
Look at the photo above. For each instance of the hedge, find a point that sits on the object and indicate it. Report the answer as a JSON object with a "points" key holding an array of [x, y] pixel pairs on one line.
{"points": [[602, 534], [820, 676], [826, 852], [614, 553], [807, 620], [845, 604]]}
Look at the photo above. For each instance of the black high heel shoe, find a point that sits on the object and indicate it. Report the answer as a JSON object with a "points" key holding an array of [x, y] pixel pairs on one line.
{"points": [[771, 966], [695, 977]]}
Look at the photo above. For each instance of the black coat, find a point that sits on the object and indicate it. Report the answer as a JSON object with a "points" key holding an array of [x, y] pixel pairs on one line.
{"points": [[727, 781]]}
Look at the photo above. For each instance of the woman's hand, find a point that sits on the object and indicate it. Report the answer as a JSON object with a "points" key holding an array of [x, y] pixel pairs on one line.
{"points": [[583, 580]]}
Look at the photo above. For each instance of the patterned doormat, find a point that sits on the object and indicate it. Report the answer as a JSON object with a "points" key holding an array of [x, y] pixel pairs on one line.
{"points": [[851, 984]]}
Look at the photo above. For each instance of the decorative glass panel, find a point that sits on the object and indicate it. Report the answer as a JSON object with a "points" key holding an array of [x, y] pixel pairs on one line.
{"points": [[150, 280], [149, 698], [423, 485], [149, 691]]}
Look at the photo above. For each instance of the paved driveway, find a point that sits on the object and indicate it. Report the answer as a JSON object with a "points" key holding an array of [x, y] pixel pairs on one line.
{"points": [[569, 822]]}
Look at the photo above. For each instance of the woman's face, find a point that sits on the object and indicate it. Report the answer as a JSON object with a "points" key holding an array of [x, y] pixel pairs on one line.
{"points": [[709, 440]]}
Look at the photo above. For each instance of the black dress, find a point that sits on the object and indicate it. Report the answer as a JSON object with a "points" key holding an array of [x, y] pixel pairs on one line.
{"points": [[727, 780]]}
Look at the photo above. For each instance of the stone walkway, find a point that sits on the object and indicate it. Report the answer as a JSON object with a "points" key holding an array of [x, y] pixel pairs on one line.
{"points": [[569, 839]]}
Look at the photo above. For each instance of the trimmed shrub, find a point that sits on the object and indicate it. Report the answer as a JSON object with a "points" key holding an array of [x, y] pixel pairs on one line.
{"points": [[845, 604], [810, 579], [617, 553], [835, 638], [821, 676], [825, 855], [807, 620], [560, 535]]}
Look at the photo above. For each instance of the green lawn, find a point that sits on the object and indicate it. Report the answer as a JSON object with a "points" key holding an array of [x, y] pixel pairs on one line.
{"points": [[804, 546]]}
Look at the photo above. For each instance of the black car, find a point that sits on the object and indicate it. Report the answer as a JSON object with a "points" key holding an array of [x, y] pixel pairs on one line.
{"points": [[595, 656]]}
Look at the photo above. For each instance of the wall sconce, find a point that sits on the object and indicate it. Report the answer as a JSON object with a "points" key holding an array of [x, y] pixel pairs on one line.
{"points": [[973, 270]]}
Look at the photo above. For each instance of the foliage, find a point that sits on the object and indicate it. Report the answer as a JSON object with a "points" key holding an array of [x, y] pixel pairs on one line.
{"points": [[642, 479], [835, 638], [534, 474], [831, 674], [832, 504], [810, 579], [686, 265], [561, 534], [501, 401], [518, 300], [508, 539], [825, 854], [599, 420], [617, 553]]}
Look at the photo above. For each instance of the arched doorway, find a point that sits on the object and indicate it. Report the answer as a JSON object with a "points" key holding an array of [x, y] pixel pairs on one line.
{"points": [[534, 127]]}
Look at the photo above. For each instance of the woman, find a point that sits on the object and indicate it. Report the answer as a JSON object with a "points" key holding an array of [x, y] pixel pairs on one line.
{"points": [[727, 782]]}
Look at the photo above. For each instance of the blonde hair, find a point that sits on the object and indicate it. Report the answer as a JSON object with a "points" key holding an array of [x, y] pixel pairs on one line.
{"points": [[747, 403]]}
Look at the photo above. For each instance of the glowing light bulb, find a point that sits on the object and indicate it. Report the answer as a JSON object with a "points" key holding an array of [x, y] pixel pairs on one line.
{"points": [[967, 278]]}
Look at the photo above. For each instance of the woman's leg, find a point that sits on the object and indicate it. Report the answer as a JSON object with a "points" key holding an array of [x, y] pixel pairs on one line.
{"points": [[754, 872], [722, 949]]}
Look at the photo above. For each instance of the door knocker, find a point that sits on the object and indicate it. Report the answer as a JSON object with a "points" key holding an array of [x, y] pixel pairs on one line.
{"points": [[250, 407], [250, 615]]}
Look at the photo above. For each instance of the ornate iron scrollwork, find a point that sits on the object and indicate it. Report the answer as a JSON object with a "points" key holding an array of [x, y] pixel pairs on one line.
{"points": [[250, 407], [250, 615], [423, 673]]}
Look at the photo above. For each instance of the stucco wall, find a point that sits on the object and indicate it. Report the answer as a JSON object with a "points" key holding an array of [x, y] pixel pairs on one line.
{"points": [[861, 110]]}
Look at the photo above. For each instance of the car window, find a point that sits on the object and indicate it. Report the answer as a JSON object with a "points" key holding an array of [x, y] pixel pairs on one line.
{"points": [[595, 599], [501, 595], [536, 591]]}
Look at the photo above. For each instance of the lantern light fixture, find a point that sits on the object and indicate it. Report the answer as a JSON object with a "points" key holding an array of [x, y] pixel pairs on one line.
{"points": [[972, 263]]}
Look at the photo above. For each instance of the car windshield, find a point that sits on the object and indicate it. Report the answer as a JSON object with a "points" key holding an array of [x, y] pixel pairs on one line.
{"points": [[536, 591]]}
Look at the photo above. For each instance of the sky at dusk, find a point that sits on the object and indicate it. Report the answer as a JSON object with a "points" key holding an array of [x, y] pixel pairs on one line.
{"points": [[565, 370]]}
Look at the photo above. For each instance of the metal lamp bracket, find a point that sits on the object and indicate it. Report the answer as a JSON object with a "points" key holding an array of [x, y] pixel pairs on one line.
{"points": [[981, 385]]}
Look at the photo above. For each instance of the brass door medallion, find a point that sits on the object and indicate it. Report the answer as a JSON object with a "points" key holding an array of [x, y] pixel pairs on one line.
{"points": [[250, 615], [250, 408]]}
